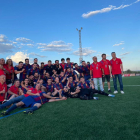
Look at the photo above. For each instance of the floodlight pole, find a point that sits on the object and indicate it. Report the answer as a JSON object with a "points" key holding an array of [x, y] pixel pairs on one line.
{"points": [[80, 47]]}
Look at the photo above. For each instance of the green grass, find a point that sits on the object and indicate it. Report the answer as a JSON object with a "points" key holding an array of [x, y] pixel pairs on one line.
{"points": [[74, 119]]}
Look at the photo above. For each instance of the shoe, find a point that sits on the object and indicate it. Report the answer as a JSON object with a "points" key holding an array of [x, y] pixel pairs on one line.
{"points": [[110, 91], [115, 92], [110, 95], [4, 113], [29, 112], [122, 92], [96, 98]]}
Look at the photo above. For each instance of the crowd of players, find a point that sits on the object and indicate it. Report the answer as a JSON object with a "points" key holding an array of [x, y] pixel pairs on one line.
{"points": [[31, 86]]}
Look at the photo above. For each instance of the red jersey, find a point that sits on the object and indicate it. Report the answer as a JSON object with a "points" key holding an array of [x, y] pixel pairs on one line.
{"points": [[10, 70], [116, 69], [105, 65], [2, 95], [14, 89], [2, 72], [62, 65], [34, 91], [96, 70]]}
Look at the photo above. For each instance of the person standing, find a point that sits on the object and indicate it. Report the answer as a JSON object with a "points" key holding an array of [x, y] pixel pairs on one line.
{"points": [[106, 66], [117, 72], [96, 72]]}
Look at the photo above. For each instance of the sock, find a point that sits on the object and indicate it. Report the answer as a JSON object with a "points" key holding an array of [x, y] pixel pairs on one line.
{"points": [[109, 95], [108, 88], [11, 108], [33, 108]]}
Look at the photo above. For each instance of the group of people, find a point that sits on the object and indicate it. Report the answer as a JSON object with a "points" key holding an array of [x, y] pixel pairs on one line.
{"points": [[31, 86]]}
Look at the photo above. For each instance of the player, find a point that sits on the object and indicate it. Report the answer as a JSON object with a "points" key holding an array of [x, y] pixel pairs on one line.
{"points": [[19, 70], [68, 64], [106, 67], [62, 64]]}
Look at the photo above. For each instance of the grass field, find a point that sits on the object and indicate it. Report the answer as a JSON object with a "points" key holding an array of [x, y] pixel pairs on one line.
{"points": [[74, 119]]}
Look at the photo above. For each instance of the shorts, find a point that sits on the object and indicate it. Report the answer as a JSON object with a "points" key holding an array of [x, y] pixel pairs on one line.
{"points": [[29, 101], [107, 77]]}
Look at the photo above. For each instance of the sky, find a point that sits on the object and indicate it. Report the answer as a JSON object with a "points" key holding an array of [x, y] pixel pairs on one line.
{"points": [[46, 30]]}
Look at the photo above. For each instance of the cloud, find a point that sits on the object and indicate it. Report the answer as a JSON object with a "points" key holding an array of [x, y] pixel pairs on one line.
{"points": [[6, 47], [85, 52], [118, 44], [107, 9], [122, 48], [18, 56], [34, 54], [124, 53], [23, 40], [57, 46], [30, 45], [3, 39], [14, 42]]}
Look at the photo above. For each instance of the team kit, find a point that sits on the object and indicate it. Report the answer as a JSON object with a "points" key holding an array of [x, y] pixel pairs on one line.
{"points": [[31, 86]]}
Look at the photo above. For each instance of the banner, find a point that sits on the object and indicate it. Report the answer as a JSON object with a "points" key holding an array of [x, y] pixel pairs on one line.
{"points": [[138, 74], [126, 75]]}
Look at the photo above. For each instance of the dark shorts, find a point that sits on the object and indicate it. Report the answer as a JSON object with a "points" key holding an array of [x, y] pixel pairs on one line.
{"points": [[107, 77], [29, 101]]}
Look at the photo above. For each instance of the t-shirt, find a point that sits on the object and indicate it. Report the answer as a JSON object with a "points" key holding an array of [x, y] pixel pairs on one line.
{"points": [[14, 89], [50, 88], [21, 74], [24, 90], [2, 72], [70, 65], [10, 70], [105, 66], [85, 70], [96, 70], [32, 71], [85, 85], [34, 91], [58, 86], [116, 69], [73, 84], [62, 65], [2, 95]]}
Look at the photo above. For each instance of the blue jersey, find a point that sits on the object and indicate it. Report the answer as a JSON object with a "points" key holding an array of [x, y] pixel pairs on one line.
{"points": [[21, 74], [32, 71], [72, 85], [85, 85], [58, 86], [50, 88], [70, 65], [24, 90], [85, 70]]}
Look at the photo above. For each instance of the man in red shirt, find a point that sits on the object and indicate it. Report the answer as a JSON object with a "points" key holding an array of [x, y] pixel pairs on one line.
{"points": [[96, 72], [3, 88], [106, 66], [2, 72], [15, 90], [117, 71]]}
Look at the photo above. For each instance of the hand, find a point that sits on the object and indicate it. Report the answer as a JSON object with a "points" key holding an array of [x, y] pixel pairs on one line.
{"points": [[23, 70], [103, 75], [122, 73], [3, 91], [59, 67], [37, 94]]}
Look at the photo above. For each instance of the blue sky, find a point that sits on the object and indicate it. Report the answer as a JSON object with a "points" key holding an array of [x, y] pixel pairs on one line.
{"points": [[47, 30]]}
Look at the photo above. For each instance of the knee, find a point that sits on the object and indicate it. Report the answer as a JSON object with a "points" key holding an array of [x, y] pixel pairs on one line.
{"points": [[19, 104], [37, 105]]}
